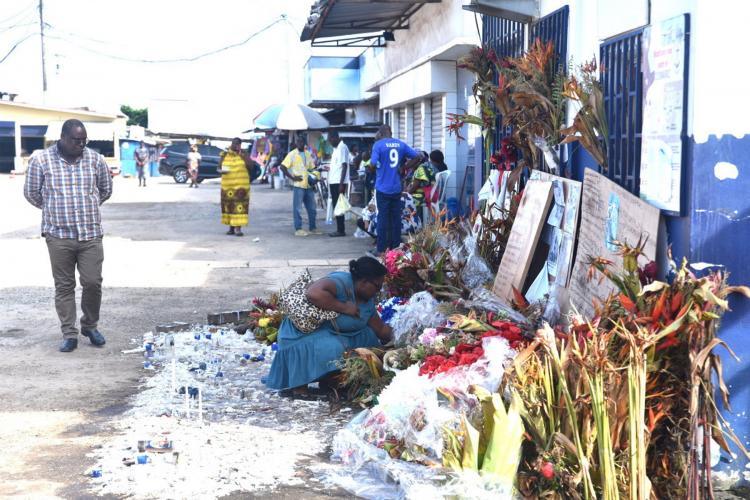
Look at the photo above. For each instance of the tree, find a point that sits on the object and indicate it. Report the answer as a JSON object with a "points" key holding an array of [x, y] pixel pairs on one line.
{"points": [[135, 116]]}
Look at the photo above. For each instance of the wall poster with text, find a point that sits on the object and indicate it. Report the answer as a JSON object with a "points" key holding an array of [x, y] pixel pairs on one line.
{"points": [[665, 65]]}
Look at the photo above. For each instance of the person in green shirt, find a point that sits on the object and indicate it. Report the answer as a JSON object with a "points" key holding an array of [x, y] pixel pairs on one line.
{"points": [[420, 187]]}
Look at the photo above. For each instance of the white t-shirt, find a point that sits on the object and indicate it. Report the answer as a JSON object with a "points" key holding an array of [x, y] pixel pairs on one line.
{"points": [[340, 155]]}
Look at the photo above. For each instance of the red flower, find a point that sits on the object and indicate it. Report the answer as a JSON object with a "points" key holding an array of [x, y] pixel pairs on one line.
{"points": [[648, 273], [547, 470]]}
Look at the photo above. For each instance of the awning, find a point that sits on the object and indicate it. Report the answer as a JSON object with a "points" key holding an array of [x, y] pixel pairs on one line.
{"points": [[95, 131], [340, 18]]}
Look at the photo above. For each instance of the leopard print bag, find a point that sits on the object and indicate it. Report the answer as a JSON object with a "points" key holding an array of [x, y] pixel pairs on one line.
{"points": [[293, 303]]}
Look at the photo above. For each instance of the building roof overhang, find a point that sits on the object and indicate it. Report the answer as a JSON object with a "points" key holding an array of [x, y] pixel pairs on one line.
{"points": [[347, 22]]}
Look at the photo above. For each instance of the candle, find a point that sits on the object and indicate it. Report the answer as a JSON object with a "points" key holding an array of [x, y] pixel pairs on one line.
{"points": [[187, 402], [200, 406], [174, 374]]}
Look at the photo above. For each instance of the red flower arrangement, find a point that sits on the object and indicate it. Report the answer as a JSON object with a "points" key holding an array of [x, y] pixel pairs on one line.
{"points": [[463, 355]]}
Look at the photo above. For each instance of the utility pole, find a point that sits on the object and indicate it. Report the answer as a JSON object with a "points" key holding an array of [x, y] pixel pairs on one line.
{"points": [[41, 32]]}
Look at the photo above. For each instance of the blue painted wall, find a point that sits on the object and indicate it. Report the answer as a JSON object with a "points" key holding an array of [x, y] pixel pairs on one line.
{"points": [[720, 234]]}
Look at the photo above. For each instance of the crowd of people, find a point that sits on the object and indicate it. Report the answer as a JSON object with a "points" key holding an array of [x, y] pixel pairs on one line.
{"points": [[400, 177], [398, 183]]}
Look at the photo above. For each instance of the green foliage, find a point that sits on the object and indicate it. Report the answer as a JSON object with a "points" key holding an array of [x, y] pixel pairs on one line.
{"points": [[136, 116]]}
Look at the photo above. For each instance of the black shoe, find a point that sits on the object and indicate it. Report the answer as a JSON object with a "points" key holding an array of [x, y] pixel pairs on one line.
{"points": [[69, 345], [94, 336], [336, 234]]}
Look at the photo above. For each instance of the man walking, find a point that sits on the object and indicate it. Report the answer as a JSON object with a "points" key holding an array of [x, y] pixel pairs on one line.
{"points": [[387, 157], [338, 176], [299, 166], [69, 182], [141, 158]]}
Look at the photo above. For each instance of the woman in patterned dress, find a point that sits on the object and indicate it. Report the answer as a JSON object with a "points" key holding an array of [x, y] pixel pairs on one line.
{"points": [[235, 187]]}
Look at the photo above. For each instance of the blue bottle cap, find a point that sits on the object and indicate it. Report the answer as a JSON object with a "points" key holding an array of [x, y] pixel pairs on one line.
{"points": [[208, 336], [146, 364], [149, 346], [274, 347], [246, 356], [96, 473], [219, 374], [197, 336]]}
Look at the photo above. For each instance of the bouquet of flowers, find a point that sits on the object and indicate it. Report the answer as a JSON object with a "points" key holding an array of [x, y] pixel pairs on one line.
{"points": [[265, 319]]}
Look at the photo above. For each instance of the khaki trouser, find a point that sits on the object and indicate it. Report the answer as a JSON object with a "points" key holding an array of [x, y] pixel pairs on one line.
{"points": [[88, 256]]}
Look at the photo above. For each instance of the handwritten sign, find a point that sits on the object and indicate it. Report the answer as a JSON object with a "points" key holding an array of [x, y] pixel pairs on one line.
{"points": [[608, 213], [564, 215], [523, 239]]}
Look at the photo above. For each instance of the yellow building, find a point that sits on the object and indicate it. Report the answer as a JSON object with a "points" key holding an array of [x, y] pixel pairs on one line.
{"points": [[25, 128]]}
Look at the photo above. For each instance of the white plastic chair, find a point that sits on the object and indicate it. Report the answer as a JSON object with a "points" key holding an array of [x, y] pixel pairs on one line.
{"points": [[439, 191]]}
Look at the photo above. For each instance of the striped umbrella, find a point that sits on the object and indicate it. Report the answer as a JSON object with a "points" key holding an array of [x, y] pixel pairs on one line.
{"points": [[290, 117]]}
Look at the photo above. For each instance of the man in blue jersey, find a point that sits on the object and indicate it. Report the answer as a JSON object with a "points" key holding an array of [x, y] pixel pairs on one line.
{"points": [[388, 157]]}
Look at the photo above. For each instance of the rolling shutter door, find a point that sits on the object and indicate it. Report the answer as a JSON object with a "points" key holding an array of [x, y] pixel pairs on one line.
{"points": [[417, 124], [436, 123], [402, 124]]}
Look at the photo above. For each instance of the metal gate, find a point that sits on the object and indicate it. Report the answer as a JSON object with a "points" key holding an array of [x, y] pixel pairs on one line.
{"points": [[437, 120], [416, 120], [622, 84]]}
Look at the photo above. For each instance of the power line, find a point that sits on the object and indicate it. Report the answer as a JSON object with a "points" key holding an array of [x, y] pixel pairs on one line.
{"points": [[177, 60], [16, 45], [32, 23], [30, 5]]}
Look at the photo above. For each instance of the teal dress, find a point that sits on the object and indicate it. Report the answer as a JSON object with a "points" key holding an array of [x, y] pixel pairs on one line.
{"points": [[303, 358]]}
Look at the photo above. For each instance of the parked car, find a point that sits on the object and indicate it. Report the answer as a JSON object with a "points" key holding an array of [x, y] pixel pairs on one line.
{"points": [[172, 162]]}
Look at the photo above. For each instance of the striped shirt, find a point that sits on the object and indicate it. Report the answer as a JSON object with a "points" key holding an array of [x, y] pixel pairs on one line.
{"points": [[69, 194]]}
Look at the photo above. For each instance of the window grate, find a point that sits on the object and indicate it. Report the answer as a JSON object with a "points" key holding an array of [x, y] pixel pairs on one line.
{"points": [[507, 38], [622, 84], [553, 28]]}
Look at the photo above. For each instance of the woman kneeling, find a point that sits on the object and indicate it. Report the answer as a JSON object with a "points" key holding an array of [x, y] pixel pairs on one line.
{"points": [[303, 358]]}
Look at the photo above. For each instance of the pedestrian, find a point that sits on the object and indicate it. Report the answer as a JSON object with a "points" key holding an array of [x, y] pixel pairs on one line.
{"points": [[299, 167], [303, 358], [338, 176], [235, 167], [421, 184], [141, 158], [69, 182], [369, 171], [388, 155], [193, 164], [437, 160]]}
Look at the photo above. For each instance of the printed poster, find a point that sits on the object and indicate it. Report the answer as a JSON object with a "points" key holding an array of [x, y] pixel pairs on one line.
{"points": [[664, 119]]}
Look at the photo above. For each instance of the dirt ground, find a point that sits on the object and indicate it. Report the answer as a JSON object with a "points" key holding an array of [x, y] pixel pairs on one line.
{"points": [[166, 259]]}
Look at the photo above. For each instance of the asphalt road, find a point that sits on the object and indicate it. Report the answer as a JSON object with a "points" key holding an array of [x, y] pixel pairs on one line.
{"points": [[166, 259]]}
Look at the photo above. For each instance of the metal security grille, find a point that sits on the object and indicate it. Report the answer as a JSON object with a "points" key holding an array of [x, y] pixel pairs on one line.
{"points": [[622, 83], [437, 128], [553, 28], [507, 38], [417, 124], [402, 124]]}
